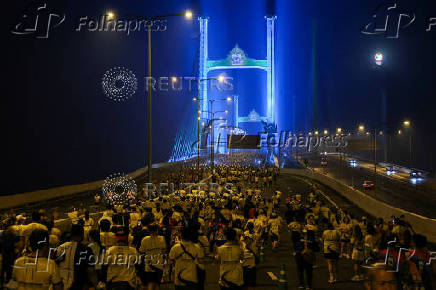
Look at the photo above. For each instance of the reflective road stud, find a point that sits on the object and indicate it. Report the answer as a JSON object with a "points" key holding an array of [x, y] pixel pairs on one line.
{"points": [[283, 284], [261, 254]]}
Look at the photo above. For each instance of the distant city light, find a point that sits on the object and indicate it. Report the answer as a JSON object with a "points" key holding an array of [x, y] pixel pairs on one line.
{"points": [[361, 128], [406, 123], [229, 99], [378, 58], [326, 132], [174, 79]]}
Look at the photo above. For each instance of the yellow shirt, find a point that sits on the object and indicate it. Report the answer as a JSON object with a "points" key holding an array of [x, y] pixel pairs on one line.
{"points": [[185, 266], [18, 229], [204, 243], [39, 274], [121, 261], [157, 215], [295, 227], [227, 214], [274, 225], [249, 259], [229, 256], [154, 248], [134, 218], [331, 241], [28, 229], [107, 239]]}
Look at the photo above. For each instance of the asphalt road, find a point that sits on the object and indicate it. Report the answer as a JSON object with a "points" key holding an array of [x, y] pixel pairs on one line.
{"points": [[391, 191], [282, 255]]}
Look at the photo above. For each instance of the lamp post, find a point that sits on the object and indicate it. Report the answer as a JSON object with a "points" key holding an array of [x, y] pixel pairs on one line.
{"points": [[221, 79], [188, 15], [407, 125], [212, 140]]}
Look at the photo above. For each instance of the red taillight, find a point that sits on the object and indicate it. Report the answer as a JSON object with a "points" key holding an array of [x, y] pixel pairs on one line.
{"points": [[372, 184]]}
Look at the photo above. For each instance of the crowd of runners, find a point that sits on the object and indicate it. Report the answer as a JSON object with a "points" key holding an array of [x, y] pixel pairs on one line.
{"points": [[170, 237]]}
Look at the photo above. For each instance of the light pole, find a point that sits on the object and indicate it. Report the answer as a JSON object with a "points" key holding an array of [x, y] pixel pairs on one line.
{"points": [[407, 125], [212, 137], [220, 79], [188, 15]]}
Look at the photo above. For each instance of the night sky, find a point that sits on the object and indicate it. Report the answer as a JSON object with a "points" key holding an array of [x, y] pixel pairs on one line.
{"points": [[61, 129]]}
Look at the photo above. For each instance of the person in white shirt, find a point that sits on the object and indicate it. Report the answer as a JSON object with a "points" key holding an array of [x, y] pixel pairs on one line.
{"points": [[36, 271]]}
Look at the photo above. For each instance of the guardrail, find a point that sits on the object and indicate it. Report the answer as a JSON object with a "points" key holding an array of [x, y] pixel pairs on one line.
{"points": [[420, 224]]}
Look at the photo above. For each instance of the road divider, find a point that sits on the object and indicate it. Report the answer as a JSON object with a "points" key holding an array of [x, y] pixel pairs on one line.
{"points": [[421, 224]]}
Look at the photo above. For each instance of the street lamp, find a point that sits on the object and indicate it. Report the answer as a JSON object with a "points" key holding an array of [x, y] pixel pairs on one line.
{"points": [[361, 128], [110, 15], [326, 132], [149, 21], [188, 14], [407, 125], [339, 130]]}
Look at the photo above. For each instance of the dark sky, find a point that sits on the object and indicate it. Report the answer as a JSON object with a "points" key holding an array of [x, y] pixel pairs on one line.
{"points": [[61, 128]]}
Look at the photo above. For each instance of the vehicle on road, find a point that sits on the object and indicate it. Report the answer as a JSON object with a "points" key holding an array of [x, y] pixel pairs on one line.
{"points": [[391, 170], [353, 163], [367, 184], [416, 174], [324, 161]]}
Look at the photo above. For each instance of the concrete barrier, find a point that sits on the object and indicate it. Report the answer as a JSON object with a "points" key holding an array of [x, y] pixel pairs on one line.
{"points": [[20, 199], [420, 224]]}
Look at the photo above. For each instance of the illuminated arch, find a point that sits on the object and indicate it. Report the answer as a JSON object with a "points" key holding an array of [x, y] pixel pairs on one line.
{"points": [[237, 59]]}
